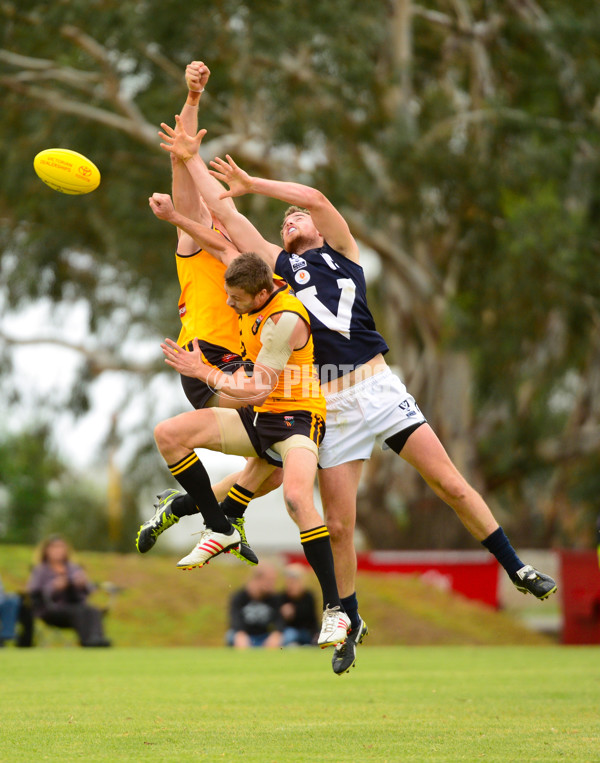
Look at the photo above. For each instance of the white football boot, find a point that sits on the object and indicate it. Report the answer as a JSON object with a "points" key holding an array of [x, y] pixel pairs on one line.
{"points": [[334, 628], [211, 544]]}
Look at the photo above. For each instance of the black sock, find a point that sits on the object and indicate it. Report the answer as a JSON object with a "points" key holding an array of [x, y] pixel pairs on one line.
{"points": [[350, 605], [194, 479], [236, 501], [184, 506], [498, 544], [317, 549]]}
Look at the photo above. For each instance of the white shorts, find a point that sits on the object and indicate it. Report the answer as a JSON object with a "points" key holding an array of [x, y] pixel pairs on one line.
{"points": [[368, 412]]}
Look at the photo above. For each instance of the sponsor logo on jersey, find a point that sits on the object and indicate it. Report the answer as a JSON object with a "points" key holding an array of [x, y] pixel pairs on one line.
{"points": [[228, 357], [256, 324], [297, 263], [182, 309], [302, 277]]}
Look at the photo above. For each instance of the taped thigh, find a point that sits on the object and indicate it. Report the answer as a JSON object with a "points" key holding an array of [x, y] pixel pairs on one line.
{"points": [[234, 438], [295, 441]]}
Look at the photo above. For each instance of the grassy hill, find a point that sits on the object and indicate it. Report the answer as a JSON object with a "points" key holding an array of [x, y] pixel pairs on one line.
{"points": [[160, 605]]}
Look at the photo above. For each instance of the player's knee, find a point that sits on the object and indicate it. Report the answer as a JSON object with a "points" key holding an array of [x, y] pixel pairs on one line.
{"points": [[454, 490], [164, 434], [296, 501], [290, 498], [341, 531]]}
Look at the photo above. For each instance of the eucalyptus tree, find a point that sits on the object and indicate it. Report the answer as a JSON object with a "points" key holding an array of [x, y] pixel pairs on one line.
{"points": [[458, 137]]}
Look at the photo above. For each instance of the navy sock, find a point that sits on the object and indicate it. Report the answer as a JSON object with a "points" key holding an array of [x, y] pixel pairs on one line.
{"points": [[498, 544], [350, 605]]}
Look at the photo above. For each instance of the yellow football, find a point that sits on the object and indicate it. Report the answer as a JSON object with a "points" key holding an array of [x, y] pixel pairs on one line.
{"points": [[66, 171]]}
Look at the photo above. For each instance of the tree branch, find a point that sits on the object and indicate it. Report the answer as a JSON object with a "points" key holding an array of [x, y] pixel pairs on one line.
{"points": [[480, 30], [154, 54], [446, 126], [55, 100], [98, 360], [37, 69], [112, 81], [535, 16], [411, 272]]}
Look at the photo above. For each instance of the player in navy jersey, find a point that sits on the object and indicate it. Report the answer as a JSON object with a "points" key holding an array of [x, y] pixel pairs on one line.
{"points": [[366, 403]]}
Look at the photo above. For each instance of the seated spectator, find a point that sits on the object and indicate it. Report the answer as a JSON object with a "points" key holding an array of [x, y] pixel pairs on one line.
{"points": [[15, 611], [254, 612], [59, 590], [297, 608]]}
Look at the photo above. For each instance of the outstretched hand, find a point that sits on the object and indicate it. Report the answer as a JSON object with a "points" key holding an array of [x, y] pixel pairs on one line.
{"points": [[228, 172], [162, 206], [178, 142], [186, 362]]}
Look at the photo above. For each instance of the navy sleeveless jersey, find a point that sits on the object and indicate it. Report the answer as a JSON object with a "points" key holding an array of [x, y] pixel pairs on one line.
{"points": [[333, 290]]}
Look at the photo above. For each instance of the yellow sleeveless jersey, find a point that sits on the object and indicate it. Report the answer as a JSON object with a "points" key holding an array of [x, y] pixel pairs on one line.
{"points": [[298, 387], [203, 307]]}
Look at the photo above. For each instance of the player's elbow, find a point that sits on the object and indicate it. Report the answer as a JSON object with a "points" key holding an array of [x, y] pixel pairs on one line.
{"points": [[261, 389], [227, 255], [315, 200], [259, 397]]}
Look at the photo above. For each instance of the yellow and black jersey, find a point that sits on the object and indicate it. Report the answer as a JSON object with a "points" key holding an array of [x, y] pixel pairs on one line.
{"points": [[298, 385], [203, 307]]}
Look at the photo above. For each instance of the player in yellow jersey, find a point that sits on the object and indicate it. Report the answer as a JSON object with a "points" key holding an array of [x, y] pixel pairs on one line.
{"points": [[279, 413], [204, 315]]}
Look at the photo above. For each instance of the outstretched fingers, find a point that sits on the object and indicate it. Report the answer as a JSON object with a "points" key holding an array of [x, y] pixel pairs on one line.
{"points": [[220, 165], [168, 129], [171, 346]]}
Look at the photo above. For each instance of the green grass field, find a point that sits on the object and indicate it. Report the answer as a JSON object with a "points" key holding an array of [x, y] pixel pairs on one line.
{"points": [[446, 703]]}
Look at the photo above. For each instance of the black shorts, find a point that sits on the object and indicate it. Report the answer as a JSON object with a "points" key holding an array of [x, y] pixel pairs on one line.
{"points": [[276, 427], [198, 392]]}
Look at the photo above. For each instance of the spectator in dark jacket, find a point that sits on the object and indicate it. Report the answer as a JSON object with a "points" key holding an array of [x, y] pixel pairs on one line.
{"points": [[297, 608], [254, 612], [59, 591]]}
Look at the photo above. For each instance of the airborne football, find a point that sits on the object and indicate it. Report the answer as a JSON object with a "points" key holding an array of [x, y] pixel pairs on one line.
{"points": [[66, 171]]}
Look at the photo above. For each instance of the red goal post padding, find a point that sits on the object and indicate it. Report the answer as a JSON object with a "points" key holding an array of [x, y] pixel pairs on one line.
{"points": [[473, 574], [580, 593]]}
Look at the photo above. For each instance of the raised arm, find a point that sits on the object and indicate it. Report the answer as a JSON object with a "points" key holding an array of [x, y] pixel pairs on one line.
{"points": [[326, 218], [243, 234], [203, 236], [186, 197], [196, 79]]}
